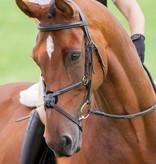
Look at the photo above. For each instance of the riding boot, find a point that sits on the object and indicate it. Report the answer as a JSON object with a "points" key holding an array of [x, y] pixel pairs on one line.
{"points": [[34, 143]]}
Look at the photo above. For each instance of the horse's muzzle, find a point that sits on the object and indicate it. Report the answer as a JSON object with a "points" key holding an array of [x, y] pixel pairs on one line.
{"points": [[66, 147]]}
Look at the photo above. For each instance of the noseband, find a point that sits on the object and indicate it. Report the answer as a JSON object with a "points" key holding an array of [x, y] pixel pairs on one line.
{"points": [[50, 98]]}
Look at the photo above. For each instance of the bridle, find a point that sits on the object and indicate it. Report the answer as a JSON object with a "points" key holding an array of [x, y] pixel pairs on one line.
{"points": [[50, 98]]}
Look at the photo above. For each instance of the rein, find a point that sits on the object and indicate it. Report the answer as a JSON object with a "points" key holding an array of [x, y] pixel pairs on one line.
{"points": [[129, 116]]}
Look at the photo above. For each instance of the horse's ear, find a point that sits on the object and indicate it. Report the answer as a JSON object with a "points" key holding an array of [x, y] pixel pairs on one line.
{"points": [[65, 8], [30, 9]]}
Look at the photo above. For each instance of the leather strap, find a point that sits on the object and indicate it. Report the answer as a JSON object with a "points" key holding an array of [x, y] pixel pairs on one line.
{"points": [[74, 120], [55, 27]]}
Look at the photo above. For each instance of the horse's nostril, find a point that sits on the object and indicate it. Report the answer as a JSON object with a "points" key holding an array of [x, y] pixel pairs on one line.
{"points": [[66, 142]]}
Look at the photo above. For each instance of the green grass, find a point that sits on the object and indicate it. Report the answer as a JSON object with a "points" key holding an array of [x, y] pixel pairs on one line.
{"points": [[18, 34]]}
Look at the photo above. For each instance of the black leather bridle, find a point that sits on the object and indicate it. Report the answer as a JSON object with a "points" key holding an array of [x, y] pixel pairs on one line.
{"points": [[50, 98]]}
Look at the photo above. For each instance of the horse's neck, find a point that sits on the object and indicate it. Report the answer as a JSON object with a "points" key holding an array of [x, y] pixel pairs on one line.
{"points": [[126, 86], [126, 79], [126, 89], [137, 134]]}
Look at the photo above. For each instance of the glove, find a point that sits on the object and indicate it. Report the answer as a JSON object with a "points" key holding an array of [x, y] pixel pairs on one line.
{"points": [[138, 40]]}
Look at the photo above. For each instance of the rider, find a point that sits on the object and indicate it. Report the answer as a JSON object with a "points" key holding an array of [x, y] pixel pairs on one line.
{"points": [[34, 141], [133, 13]]}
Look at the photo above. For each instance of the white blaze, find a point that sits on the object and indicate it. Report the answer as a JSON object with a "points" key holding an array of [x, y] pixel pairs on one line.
{"points": [[49, 46]]}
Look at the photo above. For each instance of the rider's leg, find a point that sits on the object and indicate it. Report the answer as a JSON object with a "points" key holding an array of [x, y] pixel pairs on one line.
{"points": [[34, 142]]}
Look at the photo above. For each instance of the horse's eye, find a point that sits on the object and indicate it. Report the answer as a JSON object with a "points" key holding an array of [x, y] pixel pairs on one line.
{"points": [[75, 56]]}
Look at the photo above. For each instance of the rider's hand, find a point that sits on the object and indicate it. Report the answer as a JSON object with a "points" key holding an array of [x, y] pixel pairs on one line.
{"points": [[138, 41]]}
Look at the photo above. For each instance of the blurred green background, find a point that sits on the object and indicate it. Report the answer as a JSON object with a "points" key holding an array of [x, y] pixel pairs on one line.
{"points": [[18, 34], [17, 39]]}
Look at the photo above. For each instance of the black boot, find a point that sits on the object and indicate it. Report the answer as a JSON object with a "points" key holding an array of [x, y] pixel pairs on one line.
{"points": [[104, 2], [34, 143]]}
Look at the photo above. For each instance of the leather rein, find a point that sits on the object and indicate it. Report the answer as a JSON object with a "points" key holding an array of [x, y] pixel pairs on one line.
{"points": [[50, 98]]}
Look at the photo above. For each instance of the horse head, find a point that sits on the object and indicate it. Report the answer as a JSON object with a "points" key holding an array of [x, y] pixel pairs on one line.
{"points": [[65, 53]]}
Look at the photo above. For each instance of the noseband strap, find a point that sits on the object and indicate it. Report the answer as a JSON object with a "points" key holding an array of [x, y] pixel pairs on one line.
{"points": [[68, 88], [71, 118]]}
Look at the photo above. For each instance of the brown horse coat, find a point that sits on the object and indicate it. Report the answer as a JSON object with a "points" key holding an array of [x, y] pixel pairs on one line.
{"points": [[124, 89], [11, 132]]}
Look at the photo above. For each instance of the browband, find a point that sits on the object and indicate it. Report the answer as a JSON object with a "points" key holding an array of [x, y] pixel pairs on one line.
{"points": [[55, 27]]}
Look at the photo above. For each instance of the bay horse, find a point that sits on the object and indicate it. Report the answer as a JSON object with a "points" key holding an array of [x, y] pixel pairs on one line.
{"points": [[89, 66]]}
